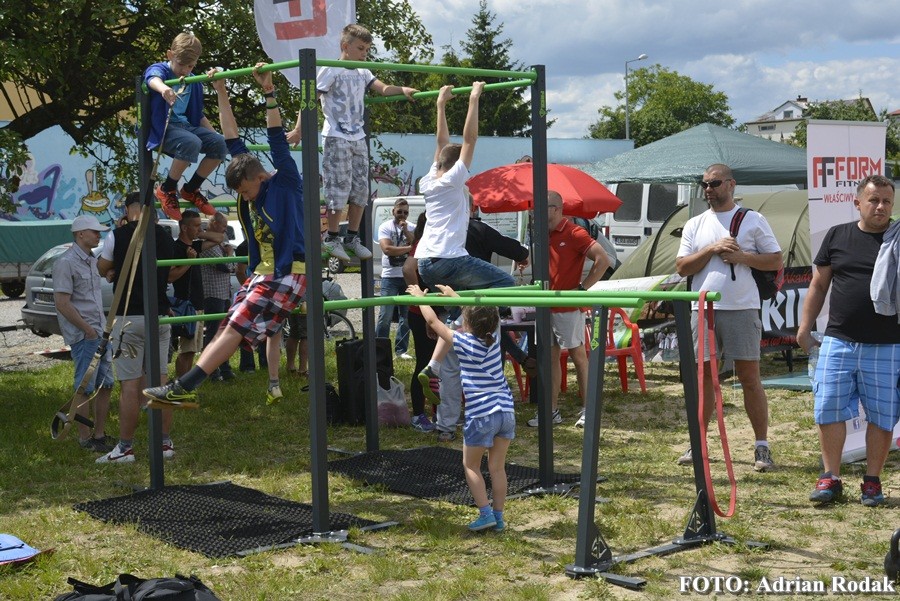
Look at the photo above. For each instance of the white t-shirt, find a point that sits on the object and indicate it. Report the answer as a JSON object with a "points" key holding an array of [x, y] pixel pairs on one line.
{"points": [[394, 233], [754, 236], [343, 94], [448, 213]]}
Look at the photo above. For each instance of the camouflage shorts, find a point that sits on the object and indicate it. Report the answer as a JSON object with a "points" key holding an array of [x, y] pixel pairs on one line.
{"points": [[345, 168]]}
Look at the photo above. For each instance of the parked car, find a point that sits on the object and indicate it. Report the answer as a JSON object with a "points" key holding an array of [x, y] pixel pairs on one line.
{"points": [[39, 310]]}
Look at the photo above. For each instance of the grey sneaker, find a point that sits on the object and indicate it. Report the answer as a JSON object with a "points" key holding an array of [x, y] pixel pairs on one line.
{"points": [[556, 419], [446, 436], [687, 458], [335, 248], [763, 459], [359, 249]]}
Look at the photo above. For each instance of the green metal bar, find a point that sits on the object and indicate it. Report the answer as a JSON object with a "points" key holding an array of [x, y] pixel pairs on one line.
{"points": [[494, 301], [446, 301], [215, 203], [267, 148], [199, 261], [503, 85], [374, 66], [643, 294]]}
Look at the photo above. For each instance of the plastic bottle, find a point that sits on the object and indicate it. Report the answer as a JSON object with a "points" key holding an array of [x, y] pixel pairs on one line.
{"points": [[813, 356]]}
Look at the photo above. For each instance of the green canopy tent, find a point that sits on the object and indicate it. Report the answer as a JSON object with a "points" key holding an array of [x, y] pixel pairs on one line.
{"points": [[683, 157]]}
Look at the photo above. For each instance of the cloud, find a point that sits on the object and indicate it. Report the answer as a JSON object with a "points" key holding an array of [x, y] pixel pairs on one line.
{"points": [[759, 52]]}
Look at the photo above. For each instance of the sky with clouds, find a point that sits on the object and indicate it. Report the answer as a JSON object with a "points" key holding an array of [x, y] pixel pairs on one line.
{"points": [[758, 52]]}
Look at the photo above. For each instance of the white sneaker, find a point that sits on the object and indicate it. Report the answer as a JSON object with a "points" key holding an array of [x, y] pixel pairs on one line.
{"points": [[580, 422], [556, 419], [358, 248], [168, 450], [117, 455], [335, 248], [404, 356]]}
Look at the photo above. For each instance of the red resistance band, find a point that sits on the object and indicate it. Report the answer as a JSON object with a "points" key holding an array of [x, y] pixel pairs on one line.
{"points": [[706, 329]]}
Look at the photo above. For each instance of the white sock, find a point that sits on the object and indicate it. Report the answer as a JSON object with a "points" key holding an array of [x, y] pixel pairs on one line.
{"points": [[762, 443]]}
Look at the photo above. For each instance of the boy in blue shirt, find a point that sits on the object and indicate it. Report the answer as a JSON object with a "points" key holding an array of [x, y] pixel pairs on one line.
{"points": [[189, 132], [270, 206]]}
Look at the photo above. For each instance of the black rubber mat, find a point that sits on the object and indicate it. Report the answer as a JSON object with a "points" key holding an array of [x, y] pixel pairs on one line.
{"points": [[432, 473], [217, 520]]}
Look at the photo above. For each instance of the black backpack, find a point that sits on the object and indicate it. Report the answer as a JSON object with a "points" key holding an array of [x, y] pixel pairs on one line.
{"points": [[768, 282], [131, 588]]}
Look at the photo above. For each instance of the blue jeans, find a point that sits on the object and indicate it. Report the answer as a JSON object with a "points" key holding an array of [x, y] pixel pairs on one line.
{"points": [[185, 142], [464, 273], [82, 353], [393, 287]]}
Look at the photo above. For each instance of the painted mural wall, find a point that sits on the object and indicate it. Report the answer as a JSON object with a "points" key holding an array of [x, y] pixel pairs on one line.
{"points": [[58, 185]]}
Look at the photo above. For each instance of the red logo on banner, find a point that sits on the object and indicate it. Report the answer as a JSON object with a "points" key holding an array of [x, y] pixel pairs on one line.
{"points": [[315, 27]]}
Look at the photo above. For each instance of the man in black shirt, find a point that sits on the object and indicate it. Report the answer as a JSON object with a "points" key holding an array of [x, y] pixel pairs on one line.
{"points": [[188, 283], [860, 352], [129, 332]]}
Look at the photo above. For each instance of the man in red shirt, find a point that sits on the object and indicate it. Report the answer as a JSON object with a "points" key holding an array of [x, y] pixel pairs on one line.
{"points": [[570, 245]]}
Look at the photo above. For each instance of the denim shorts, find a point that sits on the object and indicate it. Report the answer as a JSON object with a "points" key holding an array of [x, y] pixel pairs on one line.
{"points": [[82, 353], [185, 143], [857, 373], [481, 431]]}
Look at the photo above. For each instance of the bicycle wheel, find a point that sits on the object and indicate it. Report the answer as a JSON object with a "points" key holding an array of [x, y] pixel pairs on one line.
{"points": [[337, 325]]}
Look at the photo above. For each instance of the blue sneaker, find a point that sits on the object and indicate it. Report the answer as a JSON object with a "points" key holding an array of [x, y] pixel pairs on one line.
{"points": [[871, 494], [501, 525], [483, 522], [422, 423], [828, 489]]}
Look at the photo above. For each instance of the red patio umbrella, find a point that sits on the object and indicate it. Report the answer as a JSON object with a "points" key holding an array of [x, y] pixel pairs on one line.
{"points": [[509, 188]]}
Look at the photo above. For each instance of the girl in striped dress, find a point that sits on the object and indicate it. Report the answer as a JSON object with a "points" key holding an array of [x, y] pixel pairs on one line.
{"points": [[490, 421]]}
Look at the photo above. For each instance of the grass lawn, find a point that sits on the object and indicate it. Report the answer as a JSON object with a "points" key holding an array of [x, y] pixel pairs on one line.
{"points": [[430, 555]]}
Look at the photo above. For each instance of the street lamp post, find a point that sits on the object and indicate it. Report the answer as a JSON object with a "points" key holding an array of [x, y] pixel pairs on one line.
{"points": [[627, 122]]}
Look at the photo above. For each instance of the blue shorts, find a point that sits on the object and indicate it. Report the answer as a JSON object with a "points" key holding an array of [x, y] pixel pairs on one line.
{"points": [[185, 143], [857, 372], [481, 431], [82, 353]]}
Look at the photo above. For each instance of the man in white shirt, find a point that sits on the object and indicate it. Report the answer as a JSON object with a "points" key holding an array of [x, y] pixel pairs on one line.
{"points": [[717, 261], [395, 238]]}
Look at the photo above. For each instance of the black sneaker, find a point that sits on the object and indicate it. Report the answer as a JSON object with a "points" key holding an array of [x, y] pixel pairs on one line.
{"points": [[171, 394], [97, 445]]}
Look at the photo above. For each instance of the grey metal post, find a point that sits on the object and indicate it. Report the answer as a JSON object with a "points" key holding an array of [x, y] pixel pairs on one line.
{"points": [[151, 307], [541, 271], [315, 313]]}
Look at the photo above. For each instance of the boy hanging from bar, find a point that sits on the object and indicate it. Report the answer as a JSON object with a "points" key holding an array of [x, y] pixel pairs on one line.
{"points": [[345, 152], [270, 206]]}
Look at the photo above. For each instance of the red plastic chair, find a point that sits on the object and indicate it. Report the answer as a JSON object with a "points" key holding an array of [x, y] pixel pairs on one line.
{"points": [[633, 349]]}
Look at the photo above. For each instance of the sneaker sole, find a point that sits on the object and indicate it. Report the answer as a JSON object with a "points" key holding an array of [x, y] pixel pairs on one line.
{"points": [[425, 381], [128, 459], [338, 254], [484, 527], [763, 467], [166, 404]]}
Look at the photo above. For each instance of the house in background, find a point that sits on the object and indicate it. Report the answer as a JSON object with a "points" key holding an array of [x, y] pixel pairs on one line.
{"points": [[778, 125]]}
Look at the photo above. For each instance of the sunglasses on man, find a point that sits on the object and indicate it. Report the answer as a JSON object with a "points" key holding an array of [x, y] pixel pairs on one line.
{"points": [[400, 212], [713, 184]]}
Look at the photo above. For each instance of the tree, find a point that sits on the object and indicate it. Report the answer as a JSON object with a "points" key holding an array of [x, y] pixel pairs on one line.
{"points": [[78, 68], [661, 103], [501, 112], [849, 110]]}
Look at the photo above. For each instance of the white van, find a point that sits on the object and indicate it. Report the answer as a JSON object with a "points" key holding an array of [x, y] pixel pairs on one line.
{"points": [[644, 209], [513, 225]]}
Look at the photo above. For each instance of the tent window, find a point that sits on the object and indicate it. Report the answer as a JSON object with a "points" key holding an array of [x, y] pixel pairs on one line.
{"points": [[662, 201], [631, 195]]}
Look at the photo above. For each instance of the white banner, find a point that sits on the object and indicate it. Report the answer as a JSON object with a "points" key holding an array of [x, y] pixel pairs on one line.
{"points": [[839, 154], [287, 26]]}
